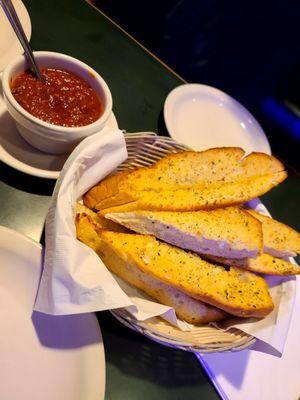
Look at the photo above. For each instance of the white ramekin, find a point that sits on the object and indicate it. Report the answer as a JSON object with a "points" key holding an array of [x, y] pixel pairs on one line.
{"points": [[40, 134]]}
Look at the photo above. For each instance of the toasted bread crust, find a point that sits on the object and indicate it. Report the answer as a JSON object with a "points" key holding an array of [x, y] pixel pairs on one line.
{"points": [[109, 187]]}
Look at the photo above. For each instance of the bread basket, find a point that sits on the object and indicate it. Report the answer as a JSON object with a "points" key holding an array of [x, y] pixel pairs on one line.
{"points": [[143, 150]]}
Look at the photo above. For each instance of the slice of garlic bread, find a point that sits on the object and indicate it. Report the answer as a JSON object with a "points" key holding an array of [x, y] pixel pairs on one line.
{"points": [[225, 232], [235, 291], [189, 181]]}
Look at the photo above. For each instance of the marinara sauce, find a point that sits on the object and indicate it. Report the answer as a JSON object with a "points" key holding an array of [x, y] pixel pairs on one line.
{"points": [[62, 99]]}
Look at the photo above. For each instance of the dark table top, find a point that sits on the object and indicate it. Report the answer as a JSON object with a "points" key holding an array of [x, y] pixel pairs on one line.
{"points": [[136, 367]]}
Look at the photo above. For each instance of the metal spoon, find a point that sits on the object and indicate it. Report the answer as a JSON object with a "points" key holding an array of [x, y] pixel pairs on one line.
{"points": [[13, 18]]}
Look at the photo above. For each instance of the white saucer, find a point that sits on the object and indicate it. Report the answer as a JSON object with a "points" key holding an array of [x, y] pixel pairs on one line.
{"points": [[203, 117], [17, 153], [42, 356], [9, 43]]}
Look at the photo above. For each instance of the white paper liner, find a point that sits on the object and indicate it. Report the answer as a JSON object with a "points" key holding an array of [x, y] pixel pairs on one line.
{"points": [[75, 280]]}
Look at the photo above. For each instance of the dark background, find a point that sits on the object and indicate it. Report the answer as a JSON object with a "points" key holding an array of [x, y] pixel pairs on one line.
{"points": [[249, 49]]}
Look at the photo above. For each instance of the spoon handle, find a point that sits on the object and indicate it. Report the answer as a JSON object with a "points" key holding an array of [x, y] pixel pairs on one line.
{"points": [[13, 18]]}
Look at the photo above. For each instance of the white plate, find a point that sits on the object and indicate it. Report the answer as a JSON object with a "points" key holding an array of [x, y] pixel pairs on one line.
{"points": [[17, 153], [203, 117], [9, 43], [42, 356]]}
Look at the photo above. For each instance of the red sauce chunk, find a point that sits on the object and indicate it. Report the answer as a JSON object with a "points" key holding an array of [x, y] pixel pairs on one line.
{"points": [[62, 99]]}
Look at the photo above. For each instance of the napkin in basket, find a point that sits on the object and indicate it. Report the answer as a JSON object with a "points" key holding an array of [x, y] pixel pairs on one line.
{"points": [[74, 280]]}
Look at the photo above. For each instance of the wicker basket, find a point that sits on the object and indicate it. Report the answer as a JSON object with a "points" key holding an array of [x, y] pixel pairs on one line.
{"points": [[143, 150]]}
